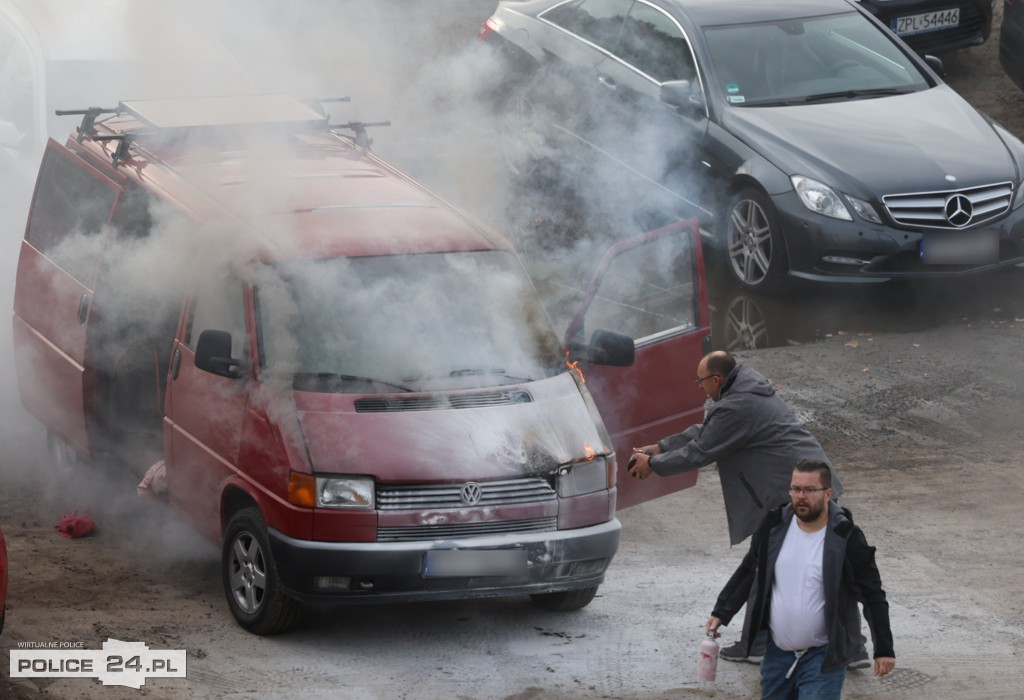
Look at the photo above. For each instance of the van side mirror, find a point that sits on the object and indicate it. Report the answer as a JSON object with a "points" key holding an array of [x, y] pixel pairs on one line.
{"points": [[606, 348], [213, 354]]}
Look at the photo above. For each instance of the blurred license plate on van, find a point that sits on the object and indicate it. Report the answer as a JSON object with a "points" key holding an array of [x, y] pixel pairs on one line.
{"points": [[439, 563], [960, 247], [927, 22]]}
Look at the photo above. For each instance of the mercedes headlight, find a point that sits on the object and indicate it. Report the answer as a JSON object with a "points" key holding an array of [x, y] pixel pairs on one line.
{"points": [[864, 210], [820, 198]]}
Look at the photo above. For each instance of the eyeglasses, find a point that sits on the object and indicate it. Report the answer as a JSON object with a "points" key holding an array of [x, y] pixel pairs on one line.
{"points": [[801, 491], [700, 380]]}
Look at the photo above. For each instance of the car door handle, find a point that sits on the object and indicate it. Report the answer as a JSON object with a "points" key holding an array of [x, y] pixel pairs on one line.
{"points": [[175, 364], [83, 309], [607, 82]]}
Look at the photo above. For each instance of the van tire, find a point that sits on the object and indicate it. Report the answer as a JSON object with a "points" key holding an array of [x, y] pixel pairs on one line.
{"points": [[63, 457], [252, 583], [565, 601]]}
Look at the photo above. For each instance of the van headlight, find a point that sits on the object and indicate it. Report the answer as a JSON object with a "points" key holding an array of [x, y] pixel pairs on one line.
{"points": [[586, 476], [820, 198], [344, 492]]}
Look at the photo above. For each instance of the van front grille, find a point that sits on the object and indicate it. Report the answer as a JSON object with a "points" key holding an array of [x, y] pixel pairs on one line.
{"points": [[418, 533], [492, 493], [436, 402]]}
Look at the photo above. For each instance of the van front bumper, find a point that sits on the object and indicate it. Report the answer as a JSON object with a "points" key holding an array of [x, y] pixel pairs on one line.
{"points": [[385, 572]]}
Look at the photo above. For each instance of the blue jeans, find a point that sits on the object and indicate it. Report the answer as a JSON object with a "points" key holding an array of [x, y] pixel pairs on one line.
{"points": [[806, 682]]}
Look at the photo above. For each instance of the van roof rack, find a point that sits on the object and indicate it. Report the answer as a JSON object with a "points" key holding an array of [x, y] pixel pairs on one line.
{"points": [[170, 117], [89, 114], [224, 112]]}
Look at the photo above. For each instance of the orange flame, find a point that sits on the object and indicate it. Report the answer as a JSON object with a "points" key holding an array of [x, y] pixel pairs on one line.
{"points": [[589, 451], [574, 367]]}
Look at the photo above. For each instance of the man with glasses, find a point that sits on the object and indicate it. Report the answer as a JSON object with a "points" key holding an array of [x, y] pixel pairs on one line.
{"points": [[755, 439], [751, 434], [801, 580]]}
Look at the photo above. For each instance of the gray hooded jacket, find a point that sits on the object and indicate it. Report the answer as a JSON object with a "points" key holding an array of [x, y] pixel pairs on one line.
{"points": [[756, 441]]}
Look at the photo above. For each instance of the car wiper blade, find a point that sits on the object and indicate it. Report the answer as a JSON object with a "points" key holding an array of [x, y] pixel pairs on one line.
{"points": [[855, 94], [476, 370], [769, 103], [472, 372], [329, 380]]}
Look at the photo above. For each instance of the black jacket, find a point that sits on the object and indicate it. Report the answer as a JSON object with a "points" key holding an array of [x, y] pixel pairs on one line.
{"points": [[849, 574]]}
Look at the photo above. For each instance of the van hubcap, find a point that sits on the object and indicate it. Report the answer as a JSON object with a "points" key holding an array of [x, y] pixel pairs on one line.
{"points": [[248, 573]]}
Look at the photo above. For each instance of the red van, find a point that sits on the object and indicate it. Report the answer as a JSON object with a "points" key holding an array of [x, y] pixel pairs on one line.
{"points": [[352, 385]]}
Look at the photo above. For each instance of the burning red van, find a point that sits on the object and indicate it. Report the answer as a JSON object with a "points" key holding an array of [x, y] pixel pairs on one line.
{"points": [[351, 384]]}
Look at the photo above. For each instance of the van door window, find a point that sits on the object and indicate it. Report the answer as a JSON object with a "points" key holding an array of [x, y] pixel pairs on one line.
{"points": [[71, 207], [647, 291], [134, 218], [219, 305]]}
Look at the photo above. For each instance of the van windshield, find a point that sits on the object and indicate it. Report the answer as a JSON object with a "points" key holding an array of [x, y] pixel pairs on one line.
{"points": [[394, 323]]}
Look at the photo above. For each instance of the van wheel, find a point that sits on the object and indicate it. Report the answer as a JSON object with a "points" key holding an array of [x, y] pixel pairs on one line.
{"points": [[564, 601], [62, 455], [753, 239], [251, 580]]}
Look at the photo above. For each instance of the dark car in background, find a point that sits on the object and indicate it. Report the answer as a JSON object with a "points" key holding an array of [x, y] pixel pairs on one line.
{"points": [[810, 141], [935, 26], [3, 580], [1011, 41]]}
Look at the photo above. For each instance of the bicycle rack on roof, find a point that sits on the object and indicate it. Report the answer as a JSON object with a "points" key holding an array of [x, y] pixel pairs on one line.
{"points": [[359, 128], [89, 115], [170, 117]]}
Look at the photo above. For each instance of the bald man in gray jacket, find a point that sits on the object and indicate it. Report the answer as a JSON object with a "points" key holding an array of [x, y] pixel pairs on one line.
{"points": [[750, 432]]}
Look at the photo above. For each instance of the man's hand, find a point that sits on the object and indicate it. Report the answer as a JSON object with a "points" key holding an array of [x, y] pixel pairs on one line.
{"points": [[639, 466], [884, 664], [712, 625]]}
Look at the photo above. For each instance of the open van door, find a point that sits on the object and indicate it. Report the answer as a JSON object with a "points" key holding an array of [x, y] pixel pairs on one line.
{"points": [[56, 281], [650, 287]]}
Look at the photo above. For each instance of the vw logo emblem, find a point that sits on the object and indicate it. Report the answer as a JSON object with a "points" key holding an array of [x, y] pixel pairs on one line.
{"points": [[471, 493], [959, 210]]}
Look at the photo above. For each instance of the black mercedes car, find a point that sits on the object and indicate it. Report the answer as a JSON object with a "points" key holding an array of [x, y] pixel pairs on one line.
{"points": [[811, 142]]}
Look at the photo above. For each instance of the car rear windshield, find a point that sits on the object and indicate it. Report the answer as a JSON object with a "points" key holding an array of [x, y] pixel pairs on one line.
{"points": [[395, 323], [842, 56]]}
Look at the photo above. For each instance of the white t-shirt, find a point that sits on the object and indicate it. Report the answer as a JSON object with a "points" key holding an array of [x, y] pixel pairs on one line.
{"points": [[798, 592]]}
